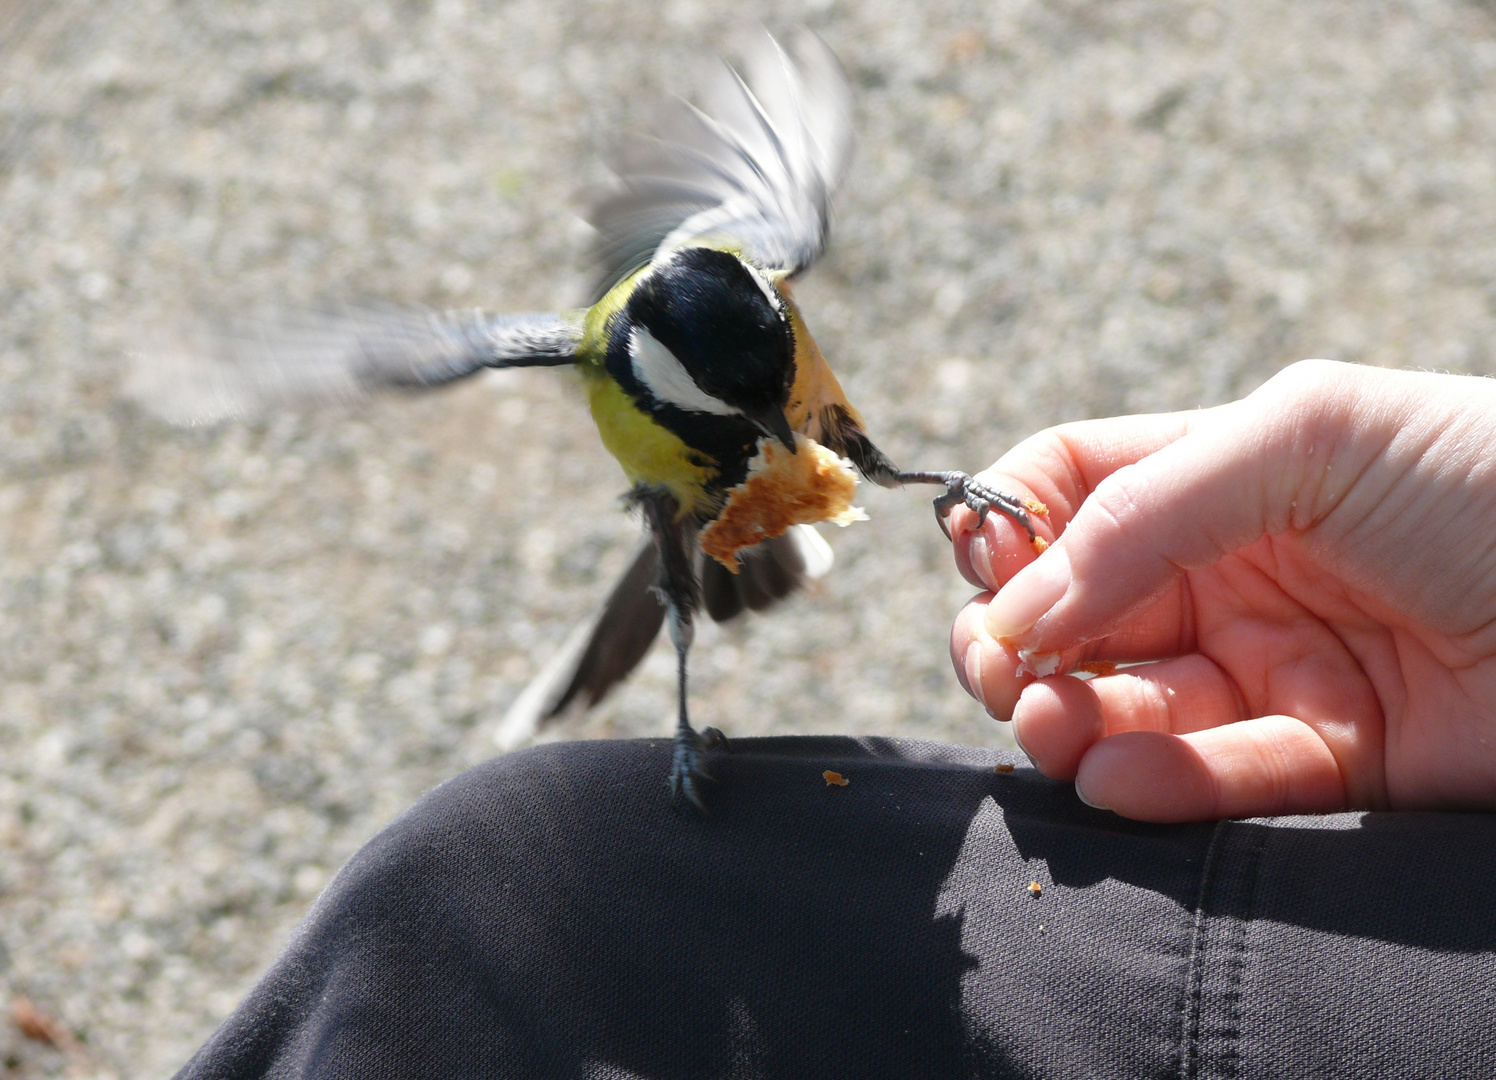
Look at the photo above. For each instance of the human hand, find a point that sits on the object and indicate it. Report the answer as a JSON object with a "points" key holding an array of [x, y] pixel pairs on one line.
{"points": [[1306, 579]]}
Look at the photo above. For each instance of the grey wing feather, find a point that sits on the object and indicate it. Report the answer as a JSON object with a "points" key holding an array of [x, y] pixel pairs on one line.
{"points": [[752, 169], [300, 357]]}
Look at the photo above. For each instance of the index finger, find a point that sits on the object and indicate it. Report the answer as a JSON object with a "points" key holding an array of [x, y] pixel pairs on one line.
{"points": [[1059, 467]]}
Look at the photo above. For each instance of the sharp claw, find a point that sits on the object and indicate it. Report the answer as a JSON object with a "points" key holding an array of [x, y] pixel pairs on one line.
{"points": [[944, 503], [940, 520], [688, 788], [685, 784], [687, 767]]}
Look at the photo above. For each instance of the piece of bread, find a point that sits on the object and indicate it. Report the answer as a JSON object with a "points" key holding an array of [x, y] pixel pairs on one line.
{"points": [[782, 489]]}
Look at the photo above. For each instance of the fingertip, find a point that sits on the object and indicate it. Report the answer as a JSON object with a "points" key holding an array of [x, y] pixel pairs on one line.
{"points": [[985, 668], [992, 668], [990, 553], [963, 634], [1269, 765], [1055, 721], [1147, 776]]}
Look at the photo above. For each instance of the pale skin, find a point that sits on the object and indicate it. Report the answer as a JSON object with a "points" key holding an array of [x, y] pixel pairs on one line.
{"points": [[1306, 579]]}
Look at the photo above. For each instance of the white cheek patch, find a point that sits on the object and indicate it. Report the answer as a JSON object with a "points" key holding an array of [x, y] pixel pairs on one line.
{"points": [[658, 369]]}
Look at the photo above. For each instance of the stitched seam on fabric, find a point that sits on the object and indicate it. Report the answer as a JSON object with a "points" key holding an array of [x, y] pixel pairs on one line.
{"points": [[1236, 964], [1192, 992]]}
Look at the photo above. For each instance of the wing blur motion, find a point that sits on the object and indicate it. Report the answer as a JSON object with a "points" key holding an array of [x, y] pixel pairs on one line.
{"points": [[752, 170], [337, 354]]}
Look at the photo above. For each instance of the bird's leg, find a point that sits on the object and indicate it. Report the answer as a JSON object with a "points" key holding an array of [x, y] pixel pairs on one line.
{"points": [[686, 767], [677, 584], [960, 487]]}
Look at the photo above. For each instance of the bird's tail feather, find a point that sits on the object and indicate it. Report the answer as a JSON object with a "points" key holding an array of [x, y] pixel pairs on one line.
{"points": [[600, 653]]}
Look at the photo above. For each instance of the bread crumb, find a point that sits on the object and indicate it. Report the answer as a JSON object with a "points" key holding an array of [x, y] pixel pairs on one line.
{"points": [[1097, 667], [1035, 888], [1005, 767], [834, 779], [1038, 664]]}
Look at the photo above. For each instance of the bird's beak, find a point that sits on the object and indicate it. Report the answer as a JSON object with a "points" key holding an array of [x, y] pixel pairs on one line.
{"points": [[773, 423]]}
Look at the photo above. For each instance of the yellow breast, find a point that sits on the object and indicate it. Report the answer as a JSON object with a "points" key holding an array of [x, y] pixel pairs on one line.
{"points": [[649, 453]]}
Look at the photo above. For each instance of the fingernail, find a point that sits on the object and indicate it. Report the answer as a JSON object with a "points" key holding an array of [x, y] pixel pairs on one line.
{"points": [[1017, 738], [1030, 594], [973, 664], [1091, 801], [981, 560]]}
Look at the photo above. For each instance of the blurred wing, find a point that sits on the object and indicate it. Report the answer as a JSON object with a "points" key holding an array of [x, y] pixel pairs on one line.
{"points": [[336, 354], [753, 169]]}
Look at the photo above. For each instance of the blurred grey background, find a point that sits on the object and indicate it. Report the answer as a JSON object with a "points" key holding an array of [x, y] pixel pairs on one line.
{"points": [[228, 655]]}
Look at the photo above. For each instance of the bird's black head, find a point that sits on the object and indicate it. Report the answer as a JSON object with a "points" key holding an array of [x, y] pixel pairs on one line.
{"points": [[724, 323]]}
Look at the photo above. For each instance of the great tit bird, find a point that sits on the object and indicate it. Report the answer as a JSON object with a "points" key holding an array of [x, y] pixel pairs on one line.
{"points": [[699, 369]]}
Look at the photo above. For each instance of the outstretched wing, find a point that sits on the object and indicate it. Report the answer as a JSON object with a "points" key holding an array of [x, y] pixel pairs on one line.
{"points": [[753, 169], [340, 353]]}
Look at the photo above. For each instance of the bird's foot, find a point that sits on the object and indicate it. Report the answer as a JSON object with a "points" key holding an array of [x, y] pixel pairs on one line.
{"points": [[687, 769], [961, 487]]}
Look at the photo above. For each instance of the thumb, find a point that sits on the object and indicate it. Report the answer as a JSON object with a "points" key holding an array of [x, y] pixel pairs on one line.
{"points": [[1233, 476]]}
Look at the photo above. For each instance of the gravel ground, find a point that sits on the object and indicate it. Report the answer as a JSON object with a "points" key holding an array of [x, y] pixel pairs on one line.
{"points": [[227, 656]]}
